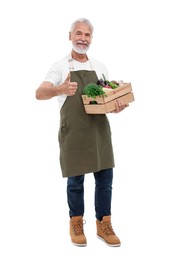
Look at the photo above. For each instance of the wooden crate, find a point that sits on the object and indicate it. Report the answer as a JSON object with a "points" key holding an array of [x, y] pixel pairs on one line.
{"points": [[106, 104]]}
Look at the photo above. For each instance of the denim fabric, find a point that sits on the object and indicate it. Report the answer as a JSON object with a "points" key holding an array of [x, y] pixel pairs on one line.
{"points": [[103, 194]]}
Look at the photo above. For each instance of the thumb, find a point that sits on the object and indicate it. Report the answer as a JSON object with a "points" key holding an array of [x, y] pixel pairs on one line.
{"points": [[68, 77]]}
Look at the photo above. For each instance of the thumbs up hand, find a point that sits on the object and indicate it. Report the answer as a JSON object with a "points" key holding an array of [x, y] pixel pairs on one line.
{"points": [[68, 77], [68, 88]]}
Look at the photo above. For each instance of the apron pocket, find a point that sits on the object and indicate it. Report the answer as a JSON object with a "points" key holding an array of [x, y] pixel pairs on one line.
{"points": [[63, 130]]}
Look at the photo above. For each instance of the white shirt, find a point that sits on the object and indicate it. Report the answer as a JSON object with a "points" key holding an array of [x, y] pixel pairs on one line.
{"points": [[60, 69]]}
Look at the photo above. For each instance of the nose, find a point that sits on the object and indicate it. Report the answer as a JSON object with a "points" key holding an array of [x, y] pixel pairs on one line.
{"points": [[83, 37]]}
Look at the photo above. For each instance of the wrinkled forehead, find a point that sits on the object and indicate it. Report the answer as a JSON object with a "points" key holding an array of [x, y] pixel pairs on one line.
{"points": [[82, 27]]}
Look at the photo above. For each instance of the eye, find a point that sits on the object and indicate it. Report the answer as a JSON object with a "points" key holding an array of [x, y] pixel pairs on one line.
{"points": [[78, 33]]}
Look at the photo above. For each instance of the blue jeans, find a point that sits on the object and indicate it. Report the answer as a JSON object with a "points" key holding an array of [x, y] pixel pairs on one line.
{"points": [[103, 194]]}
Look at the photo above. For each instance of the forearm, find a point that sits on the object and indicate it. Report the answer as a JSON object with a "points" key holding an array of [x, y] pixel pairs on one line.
{"points": [[47, 91]]}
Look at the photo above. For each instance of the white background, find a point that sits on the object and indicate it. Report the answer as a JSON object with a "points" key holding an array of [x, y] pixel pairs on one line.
{"points": [[133, 38]]}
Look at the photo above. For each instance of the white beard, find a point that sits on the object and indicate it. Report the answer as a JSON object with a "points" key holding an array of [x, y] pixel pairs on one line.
{"points": [[80, 51]]}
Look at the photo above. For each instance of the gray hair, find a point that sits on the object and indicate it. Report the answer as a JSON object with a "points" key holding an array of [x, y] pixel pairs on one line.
{"points": [[81, 20]]}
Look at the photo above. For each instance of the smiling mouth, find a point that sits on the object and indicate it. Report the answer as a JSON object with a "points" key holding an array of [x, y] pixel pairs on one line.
{"points": [[81, 44]]}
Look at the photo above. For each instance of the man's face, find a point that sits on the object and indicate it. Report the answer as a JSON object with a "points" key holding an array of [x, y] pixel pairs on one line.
{"points": [[81, 38]]}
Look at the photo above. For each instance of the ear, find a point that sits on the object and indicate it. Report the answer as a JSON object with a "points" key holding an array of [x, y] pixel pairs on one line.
{"points": [[69, 36]]}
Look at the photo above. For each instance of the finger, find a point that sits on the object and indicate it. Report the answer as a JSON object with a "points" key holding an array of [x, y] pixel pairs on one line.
{"points": [[68, 77], [118, 103], [74, 84]]}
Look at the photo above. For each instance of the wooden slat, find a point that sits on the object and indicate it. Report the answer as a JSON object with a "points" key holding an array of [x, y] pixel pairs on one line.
{"points": [[109, 106], [111, 94]]}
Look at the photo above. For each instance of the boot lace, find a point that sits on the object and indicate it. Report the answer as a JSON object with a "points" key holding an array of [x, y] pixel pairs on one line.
{"points": [[78, 227], [107, 228]]}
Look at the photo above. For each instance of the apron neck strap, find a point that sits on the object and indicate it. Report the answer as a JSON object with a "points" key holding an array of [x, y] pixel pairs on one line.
{"points": [[71, 64]]}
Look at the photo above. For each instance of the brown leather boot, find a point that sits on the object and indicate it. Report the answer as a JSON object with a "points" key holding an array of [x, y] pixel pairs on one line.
{"points": [[105, 232], [76, 231]]}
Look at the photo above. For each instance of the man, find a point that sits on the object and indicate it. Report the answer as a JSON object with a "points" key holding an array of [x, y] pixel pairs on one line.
{"points": [[84, 140]]}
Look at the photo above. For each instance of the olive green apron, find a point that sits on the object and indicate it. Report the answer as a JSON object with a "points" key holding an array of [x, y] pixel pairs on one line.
{"points": [[85, 140]]}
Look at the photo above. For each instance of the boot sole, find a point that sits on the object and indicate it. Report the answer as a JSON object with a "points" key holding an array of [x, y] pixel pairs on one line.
{"points": [[112, 245], [79, 245]]}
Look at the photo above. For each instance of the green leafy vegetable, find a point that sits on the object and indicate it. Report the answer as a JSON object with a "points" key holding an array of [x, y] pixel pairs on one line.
{"points": [[93, 90]]}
